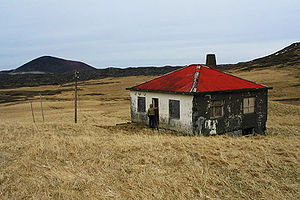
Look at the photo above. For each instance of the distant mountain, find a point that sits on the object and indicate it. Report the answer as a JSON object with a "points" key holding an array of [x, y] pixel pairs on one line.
{"points": [[289, 56], [49, 64]]}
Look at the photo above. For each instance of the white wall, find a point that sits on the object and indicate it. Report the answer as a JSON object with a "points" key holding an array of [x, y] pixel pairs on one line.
{"points": [[186, 103]]}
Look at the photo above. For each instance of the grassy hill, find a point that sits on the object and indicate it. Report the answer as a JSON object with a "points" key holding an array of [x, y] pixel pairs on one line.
{"points": [[97, 159]]}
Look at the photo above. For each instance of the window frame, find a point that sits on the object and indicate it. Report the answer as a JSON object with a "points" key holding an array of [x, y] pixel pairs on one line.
{"points": [[172, 114], [139, 108], [248, 106], [214, 106]]}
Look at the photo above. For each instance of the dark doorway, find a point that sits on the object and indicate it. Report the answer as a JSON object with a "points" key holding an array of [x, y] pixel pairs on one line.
{"points": [[156, 105], [248, 131]]}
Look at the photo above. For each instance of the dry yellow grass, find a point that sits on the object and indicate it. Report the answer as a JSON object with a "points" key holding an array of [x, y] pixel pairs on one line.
{"points": [[95, 159]]}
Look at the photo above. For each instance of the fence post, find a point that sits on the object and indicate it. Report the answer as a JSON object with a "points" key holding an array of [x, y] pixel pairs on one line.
{"points": [[32, 112], [42, 110]]}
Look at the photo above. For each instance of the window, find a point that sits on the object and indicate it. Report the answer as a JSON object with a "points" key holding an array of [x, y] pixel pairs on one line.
{"points": [[141, 104], [174, 109], [249, 105], [217, 108]]}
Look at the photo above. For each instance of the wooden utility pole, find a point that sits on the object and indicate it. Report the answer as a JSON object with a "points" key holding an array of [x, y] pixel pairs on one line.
{"points": [[76, 77], [32, 112], [42, 110]]}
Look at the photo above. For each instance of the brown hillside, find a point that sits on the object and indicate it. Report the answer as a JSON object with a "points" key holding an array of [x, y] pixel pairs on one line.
{"points": [[289, 56]]}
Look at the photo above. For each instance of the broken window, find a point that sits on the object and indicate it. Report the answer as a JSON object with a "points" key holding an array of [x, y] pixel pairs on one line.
{"points": [[141, 104], [249, 105], [174, 109], [217, 108]]}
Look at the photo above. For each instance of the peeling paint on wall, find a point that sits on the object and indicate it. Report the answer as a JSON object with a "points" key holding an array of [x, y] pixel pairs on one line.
{"points": [[211, 125], [200, 125], [233, 122]]}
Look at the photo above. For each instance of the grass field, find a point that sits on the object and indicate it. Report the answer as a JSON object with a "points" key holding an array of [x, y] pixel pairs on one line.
{"points": [[95, 159]]}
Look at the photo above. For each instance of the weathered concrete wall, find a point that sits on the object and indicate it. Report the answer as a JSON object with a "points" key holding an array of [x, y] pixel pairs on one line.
{"points": [[184, 124], [234, 120]]}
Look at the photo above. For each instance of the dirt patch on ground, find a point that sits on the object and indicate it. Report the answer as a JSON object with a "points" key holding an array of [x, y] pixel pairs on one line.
{"points": [[292, 101], [91, 83]]}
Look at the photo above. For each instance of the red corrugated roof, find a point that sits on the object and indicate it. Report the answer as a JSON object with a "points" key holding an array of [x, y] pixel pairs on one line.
{"points": [[208, 80]]}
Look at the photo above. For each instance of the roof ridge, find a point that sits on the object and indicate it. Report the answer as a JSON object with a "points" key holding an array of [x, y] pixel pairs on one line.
{"points": [[197, 78]]}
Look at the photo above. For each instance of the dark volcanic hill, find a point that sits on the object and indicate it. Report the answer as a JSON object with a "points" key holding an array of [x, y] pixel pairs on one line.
{"points": [[289, 56], [49, 64]]}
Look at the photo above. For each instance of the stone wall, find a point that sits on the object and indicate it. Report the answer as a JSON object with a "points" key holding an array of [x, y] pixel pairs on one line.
{"points": [[234, 121]]}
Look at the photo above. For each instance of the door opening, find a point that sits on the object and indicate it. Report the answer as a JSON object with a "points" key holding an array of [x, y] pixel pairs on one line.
{"points": [[156, 105], [248, 131]]}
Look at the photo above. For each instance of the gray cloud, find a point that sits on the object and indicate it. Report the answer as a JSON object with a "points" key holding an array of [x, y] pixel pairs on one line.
{"points": [[149, 32]]}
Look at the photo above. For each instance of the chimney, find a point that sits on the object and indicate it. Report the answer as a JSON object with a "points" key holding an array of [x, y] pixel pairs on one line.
{"points": [[211, 60]]}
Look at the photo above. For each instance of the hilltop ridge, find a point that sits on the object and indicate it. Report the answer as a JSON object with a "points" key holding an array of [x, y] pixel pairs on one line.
{"points": [[49, 64], [288, 56]]}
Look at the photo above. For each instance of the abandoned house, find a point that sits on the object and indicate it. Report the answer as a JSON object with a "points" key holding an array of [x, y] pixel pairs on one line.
{"points": [[200, 100]]}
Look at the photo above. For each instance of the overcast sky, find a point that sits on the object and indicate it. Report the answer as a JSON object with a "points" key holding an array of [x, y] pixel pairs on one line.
{"points": [[125, 33]]}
